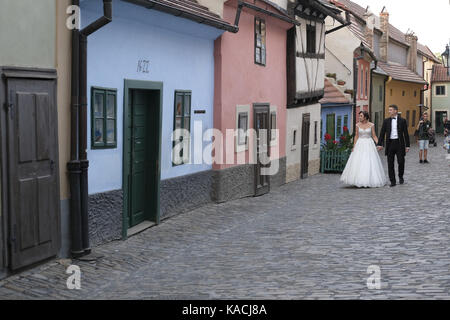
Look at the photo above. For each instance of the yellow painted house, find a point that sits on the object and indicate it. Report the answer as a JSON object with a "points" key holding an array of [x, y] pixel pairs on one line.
{"points": [[403, 88]]}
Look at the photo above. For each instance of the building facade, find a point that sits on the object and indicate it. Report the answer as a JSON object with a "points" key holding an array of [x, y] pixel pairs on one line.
{"points": [[150, 102], [337, 110], [440, 86], [399, 56], [250, 94], [306, 71], [35, 87]]}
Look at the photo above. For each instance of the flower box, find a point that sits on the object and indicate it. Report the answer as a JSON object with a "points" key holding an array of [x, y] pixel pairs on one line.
{"points": [[333, 161]]}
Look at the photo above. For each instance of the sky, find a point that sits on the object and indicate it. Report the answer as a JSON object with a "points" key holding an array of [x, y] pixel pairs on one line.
{"points": [[429, 19]]}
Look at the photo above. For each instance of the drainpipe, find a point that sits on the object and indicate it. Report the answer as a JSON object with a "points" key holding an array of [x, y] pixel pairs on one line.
{"points": [[78, 166], [74, 165], [84, 162], [371, 87]]}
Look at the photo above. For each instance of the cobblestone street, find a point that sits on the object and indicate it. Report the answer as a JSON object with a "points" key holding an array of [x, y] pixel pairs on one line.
{"points": [[310, 239]]}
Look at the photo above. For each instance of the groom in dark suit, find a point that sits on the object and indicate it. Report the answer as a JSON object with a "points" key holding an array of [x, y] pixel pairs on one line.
{"points": [[395, 132]]}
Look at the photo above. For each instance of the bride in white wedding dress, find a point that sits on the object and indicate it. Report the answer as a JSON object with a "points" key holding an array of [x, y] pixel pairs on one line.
{"points": [[364, 168]]}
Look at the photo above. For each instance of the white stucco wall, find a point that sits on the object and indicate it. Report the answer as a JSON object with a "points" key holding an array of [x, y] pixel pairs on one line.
{"points": [[339, 54], [294, 122], [215, 6]]}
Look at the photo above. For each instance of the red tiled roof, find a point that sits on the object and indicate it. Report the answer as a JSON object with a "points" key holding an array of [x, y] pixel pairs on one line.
{"points": [[189, 9], [401, 73], [427, 52], [440, 74], [333, 95], [394, 33]]}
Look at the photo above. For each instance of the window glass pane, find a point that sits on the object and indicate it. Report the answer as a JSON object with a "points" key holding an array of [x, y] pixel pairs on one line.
{"points": [[98, 131], [110, 106], [178, 122], [179, 105], [263, 56], [110, 131], [187, 105], [242, 125], [187, 123], [257, 28], [98, 105], [258, 55], [258, 41]]}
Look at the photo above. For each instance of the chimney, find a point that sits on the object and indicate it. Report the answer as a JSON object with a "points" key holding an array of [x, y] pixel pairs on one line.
{"points": [[411, 39], [368, 30], [384, 41]]}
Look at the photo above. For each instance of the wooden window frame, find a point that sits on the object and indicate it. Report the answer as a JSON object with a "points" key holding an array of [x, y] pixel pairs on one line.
{"points": [[339, 126], [366, 89], [311, 35], [316, 125], [244, 116], [441, 93], [182, 93], [273, 135], [105, 92], [263, 45]]}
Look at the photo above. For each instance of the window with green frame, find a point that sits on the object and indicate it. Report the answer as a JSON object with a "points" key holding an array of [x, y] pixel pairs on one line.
{"points": [[182, 120], [103, 118], [339, 126], [346, 121]]}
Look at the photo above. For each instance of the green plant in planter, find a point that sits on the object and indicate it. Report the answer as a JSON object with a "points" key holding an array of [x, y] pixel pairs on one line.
{"points": [[345, 142]]}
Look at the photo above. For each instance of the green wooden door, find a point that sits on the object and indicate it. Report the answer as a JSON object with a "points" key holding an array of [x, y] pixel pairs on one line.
{"points": [[141, 152], [331, 125], [139, 157]]}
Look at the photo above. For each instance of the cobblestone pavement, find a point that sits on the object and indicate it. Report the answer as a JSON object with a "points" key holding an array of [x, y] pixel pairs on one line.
{"points": [[310, 239]]}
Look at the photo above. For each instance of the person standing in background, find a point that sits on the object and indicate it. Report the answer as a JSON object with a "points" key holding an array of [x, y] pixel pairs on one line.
{"points": [[423, 129]]}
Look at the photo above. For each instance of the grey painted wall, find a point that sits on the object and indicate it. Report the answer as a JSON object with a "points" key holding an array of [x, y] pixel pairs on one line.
{"points": [[397, 54], [376, 45], [28, 33], [420, 64]]}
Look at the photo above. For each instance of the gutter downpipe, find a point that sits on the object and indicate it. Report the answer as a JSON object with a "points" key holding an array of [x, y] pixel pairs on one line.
{"points": [[371, 87], [79, 165], [84, 162], [73, 166]]}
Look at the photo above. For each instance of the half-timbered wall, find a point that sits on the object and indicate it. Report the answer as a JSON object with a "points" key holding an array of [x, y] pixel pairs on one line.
{"points": [[310, 71]]}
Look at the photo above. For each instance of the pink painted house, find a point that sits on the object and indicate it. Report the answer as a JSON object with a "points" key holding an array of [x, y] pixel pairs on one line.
{"points": [[251, 93]]}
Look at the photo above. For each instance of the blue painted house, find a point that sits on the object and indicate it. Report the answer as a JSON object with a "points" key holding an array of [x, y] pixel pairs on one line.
{"points": [[336, 111], [149, 71]]}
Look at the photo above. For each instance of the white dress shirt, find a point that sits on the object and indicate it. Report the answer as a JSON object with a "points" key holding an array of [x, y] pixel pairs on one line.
{"points": [[394, 128]]}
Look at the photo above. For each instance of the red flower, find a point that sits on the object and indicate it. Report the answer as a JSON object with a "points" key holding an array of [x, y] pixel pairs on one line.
{"points": [[345, 129], [327, 137], [335, 142]]}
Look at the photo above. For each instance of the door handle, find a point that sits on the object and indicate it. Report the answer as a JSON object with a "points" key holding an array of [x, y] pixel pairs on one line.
{"points": [[52, 165]]}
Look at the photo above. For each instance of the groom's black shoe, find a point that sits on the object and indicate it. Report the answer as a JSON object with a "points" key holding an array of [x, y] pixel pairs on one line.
{"points": [[393, 184], [402, 181]]}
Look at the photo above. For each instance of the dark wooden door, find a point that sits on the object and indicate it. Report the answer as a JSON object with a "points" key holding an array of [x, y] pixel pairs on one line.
{"points": [[32, 136], [305, 145], [261, 124], [139, 157], [440, 121]]}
